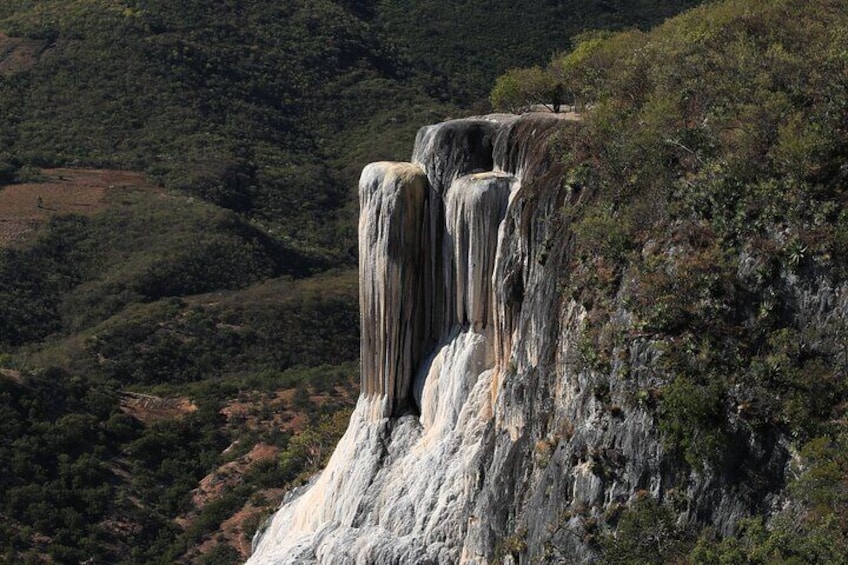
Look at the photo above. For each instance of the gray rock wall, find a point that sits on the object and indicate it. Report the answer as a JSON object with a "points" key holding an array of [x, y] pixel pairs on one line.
{"points": [[483, 433]]}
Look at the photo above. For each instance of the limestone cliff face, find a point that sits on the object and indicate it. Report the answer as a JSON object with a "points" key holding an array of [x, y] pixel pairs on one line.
{"points": [[393, 197], [479, 437], [403, 482]]}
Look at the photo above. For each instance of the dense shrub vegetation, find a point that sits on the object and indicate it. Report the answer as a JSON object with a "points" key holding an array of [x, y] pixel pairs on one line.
{"points": [[506, 34], [67, 442], [254, 118], [714, 151], [143, 248]]}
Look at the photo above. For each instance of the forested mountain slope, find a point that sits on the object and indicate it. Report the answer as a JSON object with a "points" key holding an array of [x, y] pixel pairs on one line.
{"points": [[241, 104], [194, 284], [470, 43]]}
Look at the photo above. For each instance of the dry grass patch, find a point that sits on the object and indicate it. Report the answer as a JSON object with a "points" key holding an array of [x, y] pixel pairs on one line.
{"points": [[61, 191], [150, 409], [18, 54]]}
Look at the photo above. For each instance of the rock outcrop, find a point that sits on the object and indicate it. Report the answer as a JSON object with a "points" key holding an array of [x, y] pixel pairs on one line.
{"points": [[393, 197], [479, 436], [403, 482]]}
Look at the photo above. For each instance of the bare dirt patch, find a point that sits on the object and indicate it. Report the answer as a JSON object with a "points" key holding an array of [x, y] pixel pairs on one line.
{"points": [[238, 529], [23, 207], [262, 411], [18, 54], [12, 375], [150, 409], [257, 411], [566, 113], [213, 485]]}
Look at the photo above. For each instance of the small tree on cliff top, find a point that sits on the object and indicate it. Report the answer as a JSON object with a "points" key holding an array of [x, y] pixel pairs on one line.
{"points": [[518, 88], [574, 77]]}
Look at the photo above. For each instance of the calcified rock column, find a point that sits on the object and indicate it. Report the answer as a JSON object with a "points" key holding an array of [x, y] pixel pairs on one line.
{"points": [[445, 152], [403, 484], [474, 208], [391, 249]]}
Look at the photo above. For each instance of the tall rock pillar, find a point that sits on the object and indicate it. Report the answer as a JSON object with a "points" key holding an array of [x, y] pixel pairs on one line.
{"points": [[392, 249]]}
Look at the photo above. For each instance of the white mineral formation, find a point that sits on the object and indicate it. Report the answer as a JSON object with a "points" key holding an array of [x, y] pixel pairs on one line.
{"points": [[400, 485], [474, 207], [392, 197], [482, 434]]}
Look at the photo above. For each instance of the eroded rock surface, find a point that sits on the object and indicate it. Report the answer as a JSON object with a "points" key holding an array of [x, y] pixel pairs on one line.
{"points": [[478, 423], [402, 484]]}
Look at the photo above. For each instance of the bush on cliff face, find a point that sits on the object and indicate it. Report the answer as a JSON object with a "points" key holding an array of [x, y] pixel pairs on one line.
{"points": [[702, 118], [731, 122], [646, 534], [715, 147], [810, 530]]}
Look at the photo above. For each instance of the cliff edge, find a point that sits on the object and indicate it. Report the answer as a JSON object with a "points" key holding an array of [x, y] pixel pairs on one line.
{"points": [[488, 427]]}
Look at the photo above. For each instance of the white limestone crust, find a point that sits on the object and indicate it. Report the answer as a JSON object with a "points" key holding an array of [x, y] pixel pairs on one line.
{"points": [[401, 486], [391, 244]]}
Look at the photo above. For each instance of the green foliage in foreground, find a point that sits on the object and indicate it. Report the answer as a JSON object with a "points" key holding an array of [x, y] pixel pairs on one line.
{"points": [[711, 158], [715, 141]]}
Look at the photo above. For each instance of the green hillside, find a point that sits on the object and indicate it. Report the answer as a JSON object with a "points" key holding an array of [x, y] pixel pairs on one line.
{"points": [[471, 43], [225, 280], [251, 106], [711, 162]]}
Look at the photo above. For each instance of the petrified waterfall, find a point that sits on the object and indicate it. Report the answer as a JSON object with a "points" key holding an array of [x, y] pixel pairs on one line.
{"points": [[482, 434], [392, 244], [402, 484]]}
